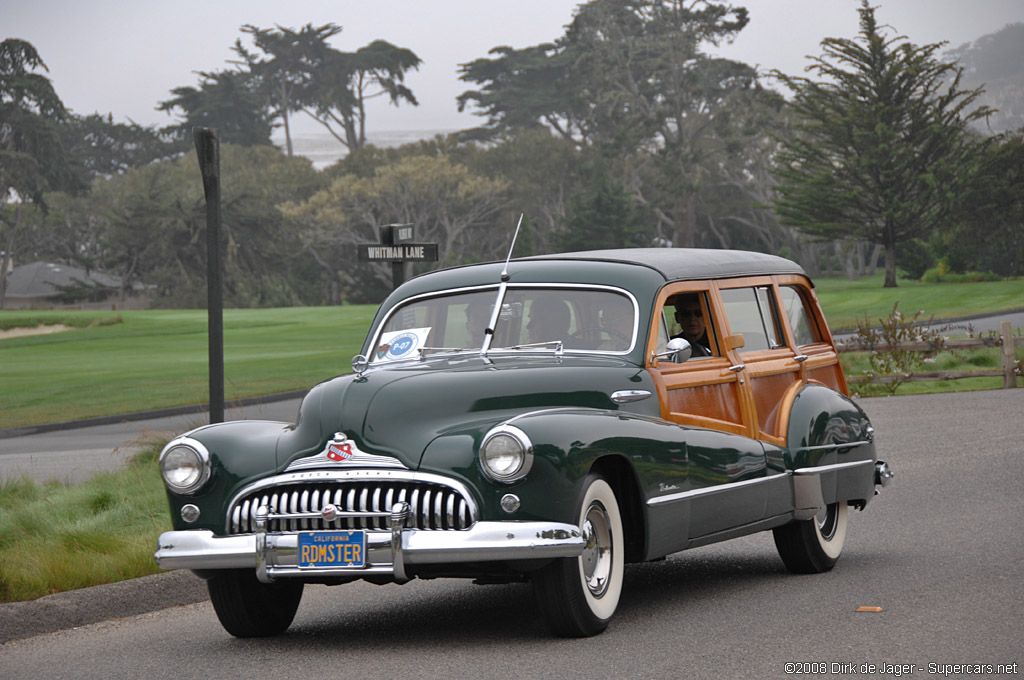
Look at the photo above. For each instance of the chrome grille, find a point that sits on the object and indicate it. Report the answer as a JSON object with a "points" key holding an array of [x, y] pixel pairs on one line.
{"points": [[432, 506]]}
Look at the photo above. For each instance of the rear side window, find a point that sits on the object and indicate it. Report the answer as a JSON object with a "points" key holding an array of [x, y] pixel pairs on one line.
{"points": [[805, 331], [751, 312]]}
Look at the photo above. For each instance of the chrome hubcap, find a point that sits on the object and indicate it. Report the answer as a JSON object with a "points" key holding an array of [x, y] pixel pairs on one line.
{"points": [[596, 559], [827, 521]]}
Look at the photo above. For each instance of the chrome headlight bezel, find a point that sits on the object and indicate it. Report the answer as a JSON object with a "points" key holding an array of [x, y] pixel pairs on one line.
{"points": [[185, 453], [521, 452]]}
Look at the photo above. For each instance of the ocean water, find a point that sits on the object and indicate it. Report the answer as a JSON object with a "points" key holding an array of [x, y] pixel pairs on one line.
{"points": [[324, 150]]}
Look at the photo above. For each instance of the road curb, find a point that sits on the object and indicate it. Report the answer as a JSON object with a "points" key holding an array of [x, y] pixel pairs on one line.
{"points": [[81, 607]]}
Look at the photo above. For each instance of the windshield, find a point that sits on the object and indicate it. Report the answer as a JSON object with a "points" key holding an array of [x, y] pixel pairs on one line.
{"points": [[584, 319]]}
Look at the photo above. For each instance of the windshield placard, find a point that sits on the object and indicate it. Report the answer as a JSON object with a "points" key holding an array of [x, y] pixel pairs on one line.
{"points": [[403, 344]]}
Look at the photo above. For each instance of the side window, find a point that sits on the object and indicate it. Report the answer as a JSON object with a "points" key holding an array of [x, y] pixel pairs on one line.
{"points": [[692, 322], [661, 344], [805, 331], [750, 311]]}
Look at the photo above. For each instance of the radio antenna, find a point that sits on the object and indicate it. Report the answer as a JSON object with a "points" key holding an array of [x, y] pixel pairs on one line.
{"points": [[489, 332], [504, 271]]}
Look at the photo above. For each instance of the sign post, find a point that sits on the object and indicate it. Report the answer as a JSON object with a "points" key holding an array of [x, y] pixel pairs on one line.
{"points": [[397, 248], [208, 152]]}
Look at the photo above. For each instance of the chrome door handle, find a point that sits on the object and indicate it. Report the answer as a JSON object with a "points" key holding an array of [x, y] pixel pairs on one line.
{"points": [[737, 368], [626, 396], [799, 358]]}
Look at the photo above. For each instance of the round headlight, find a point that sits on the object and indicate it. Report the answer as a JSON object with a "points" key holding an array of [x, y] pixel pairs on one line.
{"points": [[184, 465], [506, 454]]}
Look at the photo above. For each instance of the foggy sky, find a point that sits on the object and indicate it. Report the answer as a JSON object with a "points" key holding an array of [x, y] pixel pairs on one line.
{"points": [[123, 57]]}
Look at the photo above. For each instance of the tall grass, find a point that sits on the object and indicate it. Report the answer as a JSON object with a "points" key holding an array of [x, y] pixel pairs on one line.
{"points": [[58, 537]]}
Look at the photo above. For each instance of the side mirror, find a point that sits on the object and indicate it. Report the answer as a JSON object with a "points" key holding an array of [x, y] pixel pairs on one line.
{"points": [[677, 350]]}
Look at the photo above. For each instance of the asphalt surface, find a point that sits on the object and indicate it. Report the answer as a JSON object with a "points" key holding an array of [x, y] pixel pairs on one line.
{"points": [[927, 547]]}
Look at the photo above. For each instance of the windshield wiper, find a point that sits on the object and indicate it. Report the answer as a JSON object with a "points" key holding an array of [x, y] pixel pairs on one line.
{"points": [[556, 345]]}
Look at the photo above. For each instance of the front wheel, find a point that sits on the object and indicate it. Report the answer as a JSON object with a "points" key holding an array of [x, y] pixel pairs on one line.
{"points": [[579, 595], [813, 546], [248, 608]]}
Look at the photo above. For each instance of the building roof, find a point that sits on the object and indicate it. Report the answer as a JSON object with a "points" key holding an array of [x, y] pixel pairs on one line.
{"points": [[41, 279]]}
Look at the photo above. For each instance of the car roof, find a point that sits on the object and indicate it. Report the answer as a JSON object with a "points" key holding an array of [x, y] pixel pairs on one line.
{"points": [[687, 264]]}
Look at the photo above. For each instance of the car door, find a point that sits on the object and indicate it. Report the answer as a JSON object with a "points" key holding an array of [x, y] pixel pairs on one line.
{"points": [[726, 467], [764, 348], [703, 391]]}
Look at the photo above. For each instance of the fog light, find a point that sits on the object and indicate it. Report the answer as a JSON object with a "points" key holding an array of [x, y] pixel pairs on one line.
{"points": [[510, 503], [189, 513]]}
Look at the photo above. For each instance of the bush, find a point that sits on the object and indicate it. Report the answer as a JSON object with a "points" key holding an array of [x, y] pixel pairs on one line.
{"points": [[940, 274], [915, 258]]}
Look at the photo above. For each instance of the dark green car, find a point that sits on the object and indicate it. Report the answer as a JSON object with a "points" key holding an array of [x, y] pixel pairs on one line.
{"points": [[549, 420]]}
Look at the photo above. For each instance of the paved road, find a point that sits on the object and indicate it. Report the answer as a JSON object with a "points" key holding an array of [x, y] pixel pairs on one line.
{"points": [[74, 454], [941, 551]]}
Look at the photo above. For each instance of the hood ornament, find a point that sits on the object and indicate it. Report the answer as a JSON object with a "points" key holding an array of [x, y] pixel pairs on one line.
{"points": [[341, 451]]}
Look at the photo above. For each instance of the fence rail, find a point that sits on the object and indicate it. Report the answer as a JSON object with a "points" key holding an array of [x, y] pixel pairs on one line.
{"points": [[1006, 340]]}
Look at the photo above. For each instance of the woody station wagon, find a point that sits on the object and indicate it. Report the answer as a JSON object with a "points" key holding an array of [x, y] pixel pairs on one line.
{"points": [[547, 419]]}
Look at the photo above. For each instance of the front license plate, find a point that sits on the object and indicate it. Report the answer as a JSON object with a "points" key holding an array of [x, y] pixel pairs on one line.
{"points": [[332, 549]]}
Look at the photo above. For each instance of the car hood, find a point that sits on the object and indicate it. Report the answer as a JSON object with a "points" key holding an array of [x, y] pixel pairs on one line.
{"points": [[398, 410]]}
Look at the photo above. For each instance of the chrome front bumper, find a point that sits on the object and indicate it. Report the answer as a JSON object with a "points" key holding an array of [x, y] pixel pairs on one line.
{"points": [[274, 555]]}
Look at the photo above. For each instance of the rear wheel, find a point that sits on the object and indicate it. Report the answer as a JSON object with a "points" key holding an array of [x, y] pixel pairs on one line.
{"points": [[248, 608], [579, 595], [813, 546]]}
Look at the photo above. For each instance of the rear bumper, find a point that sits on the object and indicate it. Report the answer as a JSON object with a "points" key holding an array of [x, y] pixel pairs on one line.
{"points": [[275, 555]]}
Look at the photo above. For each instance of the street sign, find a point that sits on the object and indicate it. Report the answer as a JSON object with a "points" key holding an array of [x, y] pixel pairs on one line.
{"points": [[405, 252], [400, 233], [394, 247]]}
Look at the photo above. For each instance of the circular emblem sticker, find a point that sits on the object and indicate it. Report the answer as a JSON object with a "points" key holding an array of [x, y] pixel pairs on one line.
{"points": [[402, 345]]}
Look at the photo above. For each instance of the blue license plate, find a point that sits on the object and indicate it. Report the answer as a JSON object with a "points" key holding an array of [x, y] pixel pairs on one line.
{"points": [[332, 549]]}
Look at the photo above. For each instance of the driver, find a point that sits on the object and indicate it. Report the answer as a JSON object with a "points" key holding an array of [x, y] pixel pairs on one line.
{"points": [[549, 320], [690, 318], [617, 319]]}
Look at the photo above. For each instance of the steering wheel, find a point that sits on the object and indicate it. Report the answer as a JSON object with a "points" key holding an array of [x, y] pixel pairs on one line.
{"points": [[583, 332]]}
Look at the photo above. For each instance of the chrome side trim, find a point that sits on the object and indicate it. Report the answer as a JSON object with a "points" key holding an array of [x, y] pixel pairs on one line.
{"points": [[833, 447], [817, 470], [388, 552], [708, 490]]}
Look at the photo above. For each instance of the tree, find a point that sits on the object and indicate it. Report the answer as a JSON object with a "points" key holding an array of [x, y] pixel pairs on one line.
{"points": [[448, 204], [304, 73], [225, 100], [630, 77], [32, 159], [100, 147], [881, 150], [151, 226], [285, 74], [993, 62], [988, 232], [604, 215]]}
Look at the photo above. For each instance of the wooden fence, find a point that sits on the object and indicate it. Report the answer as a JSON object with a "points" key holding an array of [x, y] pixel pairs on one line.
{"points": [[1006, 340]]}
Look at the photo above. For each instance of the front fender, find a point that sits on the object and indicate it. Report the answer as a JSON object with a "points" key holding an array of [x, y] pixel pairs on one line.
{"points": [[241, 451]]}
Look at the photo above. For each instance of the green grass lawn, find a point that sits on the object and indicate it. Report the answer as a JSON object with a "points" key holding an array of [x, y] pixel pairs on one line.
{"points": [[159, 358], [846, 301]]}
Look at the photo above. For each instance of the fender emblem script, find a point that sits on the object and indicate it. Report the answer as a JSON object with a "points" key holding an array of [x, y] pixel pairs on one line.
{"points": [[343, 452]]}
